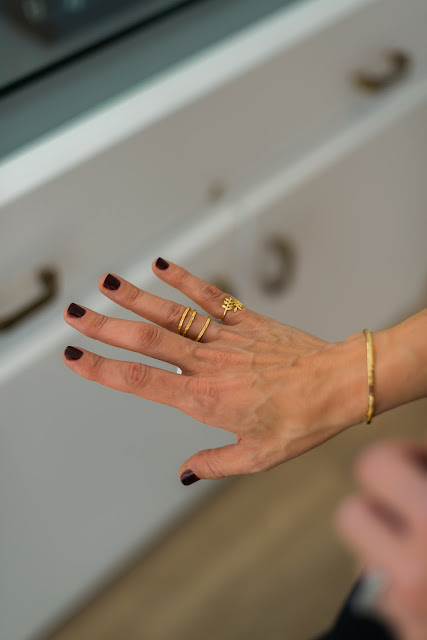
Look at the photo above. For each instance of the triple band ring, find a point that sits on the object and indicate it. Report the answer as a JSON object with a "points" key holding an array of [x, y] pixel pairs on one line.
{"points": [[229, 304]]}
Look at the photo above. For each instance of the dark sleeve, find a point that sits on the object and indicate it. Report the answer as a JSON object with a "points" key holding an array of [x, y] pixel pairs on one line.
{"points": [[349, 626]]}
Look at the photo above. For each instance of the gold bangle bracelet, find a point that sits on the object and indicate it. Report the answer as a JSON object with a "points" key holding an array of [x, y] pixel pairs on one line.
{"points": [[190, 322], [181, 322], [370, 366], [208, 319]]}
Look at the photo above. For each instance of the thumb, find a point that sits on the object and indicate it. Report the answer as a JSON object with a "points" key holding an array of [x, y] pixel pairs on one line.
{"points": [[212, 464]]}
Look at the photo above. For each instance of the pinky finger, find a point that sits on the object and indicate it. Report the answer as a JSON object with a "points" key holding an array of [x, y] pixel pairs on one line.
{"points": [[131, 377]]}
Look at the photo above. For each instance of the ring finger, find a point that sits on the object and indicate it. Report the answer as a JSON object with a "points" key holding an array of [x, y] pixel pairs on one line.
{"points": [[133, 335], [165, 313]]}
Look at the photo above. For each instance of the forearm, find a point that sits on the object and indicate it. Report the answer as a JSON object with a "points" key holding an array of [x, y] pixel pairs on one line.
{"points": [[400, 367], [401, 362]]}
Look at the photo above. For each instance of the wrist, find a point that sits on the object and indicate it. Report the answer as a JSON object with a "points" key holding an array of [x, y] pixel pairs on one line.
{"points": [[400, 373], [401, 362]]}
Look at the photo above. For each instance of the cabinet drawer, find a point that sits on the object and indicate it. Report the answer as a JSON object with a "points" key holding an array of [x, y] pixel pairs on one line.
{"points": [[138, 192], [88, 475], [347, 249]]}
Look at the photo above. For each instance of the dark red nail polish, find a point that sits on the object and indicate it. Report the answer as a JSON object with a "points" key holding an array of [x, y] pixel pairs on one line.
{"points": [[111, 282], [161, 264], [188, 477], [75, 311], [71, 353]]}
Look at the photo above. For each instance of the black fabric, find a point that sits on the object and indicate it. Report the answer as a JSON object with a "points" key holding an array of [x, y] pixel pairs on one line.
{"points": [[349, 626]]}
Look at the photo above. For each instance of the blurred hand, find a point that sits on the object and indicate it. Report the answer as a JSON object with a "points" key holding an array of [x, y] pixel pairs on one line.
{"points": [[280, 390], [386, 526]]}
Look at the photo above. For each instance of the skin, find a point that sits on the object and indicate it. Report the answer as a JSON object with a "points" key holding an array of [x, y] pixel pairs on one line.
{"points": [[385, 524], [282, 392], [270, 384]]}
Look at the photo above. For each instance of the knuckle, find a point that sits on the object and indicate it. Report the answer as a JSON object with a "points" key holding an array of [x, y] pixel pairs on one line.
{"points": [[96, 370], [148, 333], [209, 292], [136, 375], [205, 393], [98, 323], [213, 463], [213, 356], [173, 314], [183, 276], [134, 295]]}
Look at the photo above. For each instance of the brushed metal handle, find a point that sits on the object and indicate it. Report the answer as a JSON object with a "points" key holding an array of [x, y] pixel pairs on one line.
{"points": [[281, 252], [48, 278], [400, 63]]}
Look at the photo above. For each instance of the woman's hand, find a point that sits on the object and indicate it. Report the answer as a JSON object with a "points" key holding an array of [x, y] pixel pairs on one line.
{"points": [[386, 526], [279, 389]]}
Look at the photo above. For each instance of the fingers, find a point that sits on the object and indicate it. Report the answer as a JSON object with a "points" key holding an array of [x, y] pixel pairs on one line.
{"points": [[387, 525], [392, 475], [363, 529], [206, 295], [141, 337], [132, 377], [213, 464], [165, 313]]}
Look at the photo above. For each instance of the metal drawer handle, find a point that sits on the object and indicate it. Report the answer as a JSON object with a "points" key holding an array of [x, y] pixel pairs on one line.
{"points": [[400, 64], [282, 252], [49, 280]]}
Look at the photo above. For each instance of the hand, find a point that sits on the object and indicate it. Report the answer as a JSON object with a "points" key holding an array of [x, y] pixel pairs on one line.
{"points": [[386, 526], [279, 389]]}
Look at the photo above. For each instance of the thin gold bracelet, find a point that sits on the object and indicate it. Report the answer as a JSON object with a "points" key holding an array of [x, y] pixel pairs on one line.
{"points": [[370, 365]]}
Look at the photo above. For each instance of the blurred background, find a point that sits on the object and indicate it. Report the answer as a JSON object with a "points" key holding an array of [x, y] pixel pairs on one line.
{"points": [[274, 148]]}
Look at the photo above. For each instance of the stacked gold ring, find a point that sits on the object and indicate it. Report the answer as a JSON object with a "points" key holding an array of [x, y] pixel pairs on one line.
{"points": [[229, 304], [190, 322]]}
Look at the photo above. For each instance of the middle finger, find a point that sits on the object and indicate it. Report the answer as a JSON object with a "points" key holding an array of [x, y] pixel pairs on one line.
{"points": [[133, 335], [162, 312]]}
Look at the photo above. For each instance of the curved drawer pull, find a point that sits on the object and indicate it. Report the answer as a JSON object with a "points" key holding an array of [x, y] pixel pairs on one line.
{"points": [[400, 64], [49, 279], [283, 254]]}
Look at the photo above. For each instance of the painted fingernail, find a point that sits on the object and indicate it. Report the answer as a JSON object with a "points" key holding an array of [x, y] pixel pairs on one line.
{"points": [[111, 282], [71, 353], [75, 311], [188, 477], [161, 264]]}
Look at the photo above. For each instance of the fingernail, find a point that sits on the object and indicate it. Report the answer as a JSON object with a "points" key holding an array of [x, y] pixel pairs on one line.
{"points": [[162, 264], [75, 311], [71, 353], [188, 477], [111, 282]]}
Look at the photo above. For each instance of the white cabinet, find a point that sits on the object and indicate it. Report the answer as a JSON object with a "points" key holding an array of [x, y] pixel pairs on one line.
{"points": [[346, 249], [325, 199], [88, 474]]}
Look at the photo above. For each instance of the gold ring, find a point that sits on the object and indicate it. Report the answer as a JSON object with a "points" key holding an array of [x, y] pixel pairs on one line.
{"points": [[193, 315], [181, 322], [231, 304], [204, 329]]}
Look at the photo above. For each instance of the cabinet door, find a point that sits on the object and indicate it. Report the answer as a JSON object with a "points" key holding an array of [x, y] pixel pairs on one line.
{"points": [[89, 475], [347, 249]]}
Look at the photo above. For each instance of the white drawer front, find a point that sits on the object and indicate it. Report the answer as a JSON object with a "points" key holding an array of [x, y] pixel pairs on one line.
{"points": [[142, 189], [356, 237], [88, 475]]}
